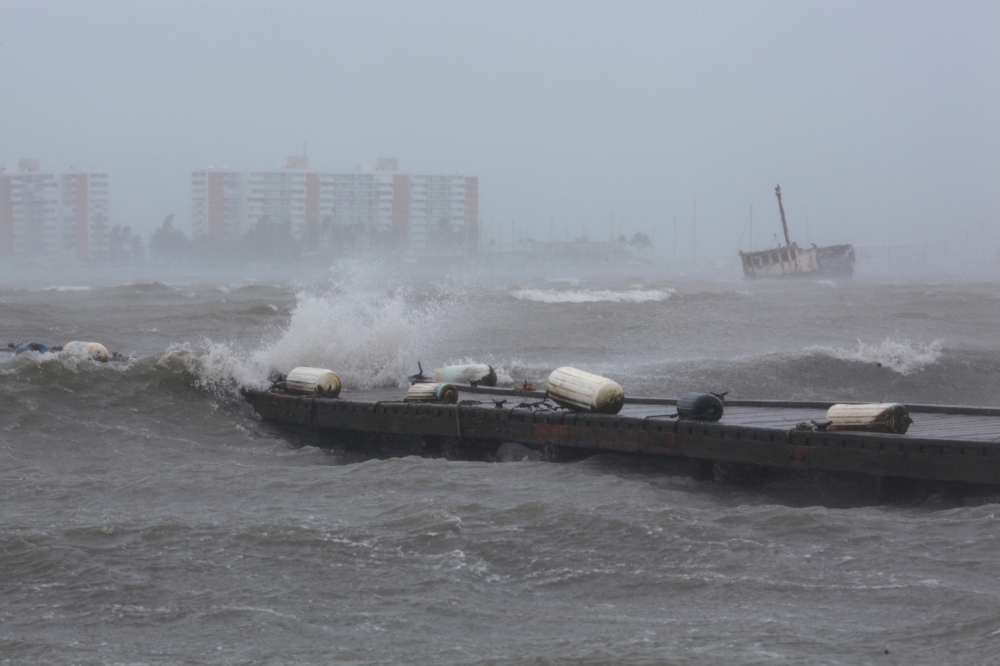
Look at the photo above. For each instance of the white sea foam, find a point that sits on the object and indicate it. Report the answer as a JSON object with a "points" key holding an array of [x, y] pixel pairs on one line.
{"points": [[73, 360], [589, 296], [902, 356], [66, 288]]}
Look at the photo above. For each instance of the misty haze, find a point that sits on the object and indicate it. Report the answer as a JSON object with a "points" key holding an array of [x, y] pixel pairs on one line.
{"points": [[440, 332]]}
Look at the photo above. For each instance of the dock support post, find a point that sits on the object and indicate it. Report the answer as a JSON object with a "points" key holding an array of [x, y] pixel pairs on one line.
{"points": [[706, 470]]}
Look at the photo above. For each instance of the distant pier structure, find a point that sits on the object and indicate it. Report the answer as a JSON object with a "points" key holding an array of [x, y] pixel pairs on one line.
{"points": [[898, 255]]}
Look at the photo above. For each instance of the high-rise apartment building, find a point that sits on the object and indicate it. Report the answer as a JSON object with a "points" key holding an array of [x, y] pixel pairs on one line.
{"points": [[376, 207], [444, 212], [57, 215], [217, 204]]}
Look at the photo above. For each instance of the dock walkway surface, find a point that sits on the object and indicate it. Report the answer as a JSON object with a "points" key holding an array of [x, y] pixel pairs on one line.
{"points": [[944, 443]]}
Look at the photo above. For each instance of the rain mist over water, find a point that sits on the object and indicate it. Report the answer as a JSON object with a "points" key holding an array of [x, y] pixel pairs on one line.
{"points": [[150, 516]]}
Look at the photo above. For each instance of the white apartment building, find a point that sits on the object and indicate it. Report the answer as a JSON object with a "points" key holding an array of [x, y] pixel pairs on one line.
{"points": [[444, 213], [53, 215], [421, 213]]}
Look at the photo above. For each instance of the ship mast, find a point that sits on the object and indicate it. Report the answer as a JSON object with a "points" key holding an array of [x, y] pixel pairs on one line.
{"points": [[781, 207]]}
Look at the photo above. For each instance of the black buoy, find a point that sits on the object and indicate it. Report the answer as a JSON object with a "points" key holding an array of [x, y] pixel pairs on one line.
{"points": [[699, 406]]}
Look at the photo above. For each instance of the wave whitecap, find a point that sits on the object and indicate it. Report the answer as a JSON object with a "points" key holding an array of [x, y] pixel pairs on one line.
{"points": [[589, 296], [902, 356]]}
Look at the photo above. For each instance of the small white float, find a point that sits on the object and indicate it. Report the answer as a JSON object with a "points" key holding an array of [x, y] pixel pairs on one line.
{"points": [[585, 391], [95, 350], [315, 381], [476, 374], [874, 417], [435, 393]]}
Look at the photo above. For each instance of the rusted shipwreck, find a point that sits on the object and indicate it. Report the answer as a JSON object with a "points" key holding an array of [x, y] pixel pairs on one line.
{"points": [[792, 260]]}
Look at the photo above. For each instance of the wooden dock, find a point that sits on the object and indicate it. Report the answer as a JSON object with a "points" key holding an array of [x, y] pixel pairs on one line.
{"points": [[945, 443]]}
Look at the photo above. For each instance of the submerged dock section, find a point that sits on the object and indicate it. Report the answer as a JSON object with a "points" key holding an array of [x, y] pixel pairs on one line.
{"points": [[944, 443]]}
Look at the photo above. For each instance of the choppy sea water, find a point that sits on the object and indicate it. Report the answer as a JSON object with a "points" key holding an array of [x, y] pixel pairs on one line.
{"points": [[150, 517]]}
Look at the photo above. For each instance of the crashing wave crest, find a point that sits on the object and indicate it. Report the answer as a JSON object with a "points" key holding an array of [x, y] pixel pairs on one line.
{"points": [[589, 296], [369, 331], [902, 356], [369, 340], [66, 288]]}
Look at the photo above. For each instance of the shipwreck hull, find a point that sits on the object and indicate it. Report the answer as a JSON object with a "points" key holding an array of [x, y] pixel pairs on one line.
{"points": [[792, 260]]}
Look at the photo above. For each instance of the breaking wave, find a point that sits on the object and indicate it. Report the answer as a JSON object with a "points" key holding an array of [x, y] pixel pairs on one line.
{"points": [[902, 356], [588, 296], [370, 331], [370, 340]]}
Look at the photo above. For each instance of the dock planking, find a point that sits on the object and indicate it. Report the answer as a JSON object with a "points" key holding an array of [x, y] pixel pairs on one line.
{"points": [[945, 443]]}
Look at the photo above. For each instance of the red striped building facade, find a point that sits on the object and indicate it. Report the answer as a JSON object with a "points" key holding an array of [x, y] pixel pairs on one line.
{"points": [[421, 213]]}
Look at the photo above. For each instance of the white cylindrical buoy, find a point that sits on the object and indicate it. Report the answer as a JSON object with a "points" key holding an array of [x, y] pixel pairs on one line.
{"points": [[319, 381], [875, 417], [581, 390], [437, 393], [474, 373], [95, 350]]}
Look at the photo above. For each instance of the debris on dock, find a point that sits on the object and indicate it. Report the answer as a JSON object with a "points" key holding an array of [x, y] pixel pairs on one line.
{"points": [[444, 394]]}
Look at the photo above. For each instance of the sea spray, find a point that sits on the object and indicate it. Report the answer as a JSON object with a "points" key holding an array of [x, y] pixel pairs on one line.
{"points": [[368, 339], [372, 335]]}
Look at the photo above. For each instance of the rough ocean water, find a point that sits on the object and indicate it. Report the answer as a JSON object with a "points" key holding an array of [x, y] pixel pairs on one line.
{"points": [[149, 517]]}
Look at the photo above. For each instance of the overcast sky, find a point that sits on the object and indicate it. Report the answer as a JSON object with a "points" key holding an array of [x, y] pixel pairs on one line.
{"points": [[881, 120]]}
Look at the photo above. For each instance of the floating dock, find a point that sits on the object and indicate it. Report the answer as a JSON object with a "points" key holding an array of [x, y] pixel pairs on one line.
{"points": [[945, 443]]}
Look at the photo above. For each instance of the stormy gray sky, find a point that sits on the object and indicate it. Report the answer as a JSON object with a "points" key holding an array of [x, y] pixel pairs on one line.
{"points": [[881, 120]]}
